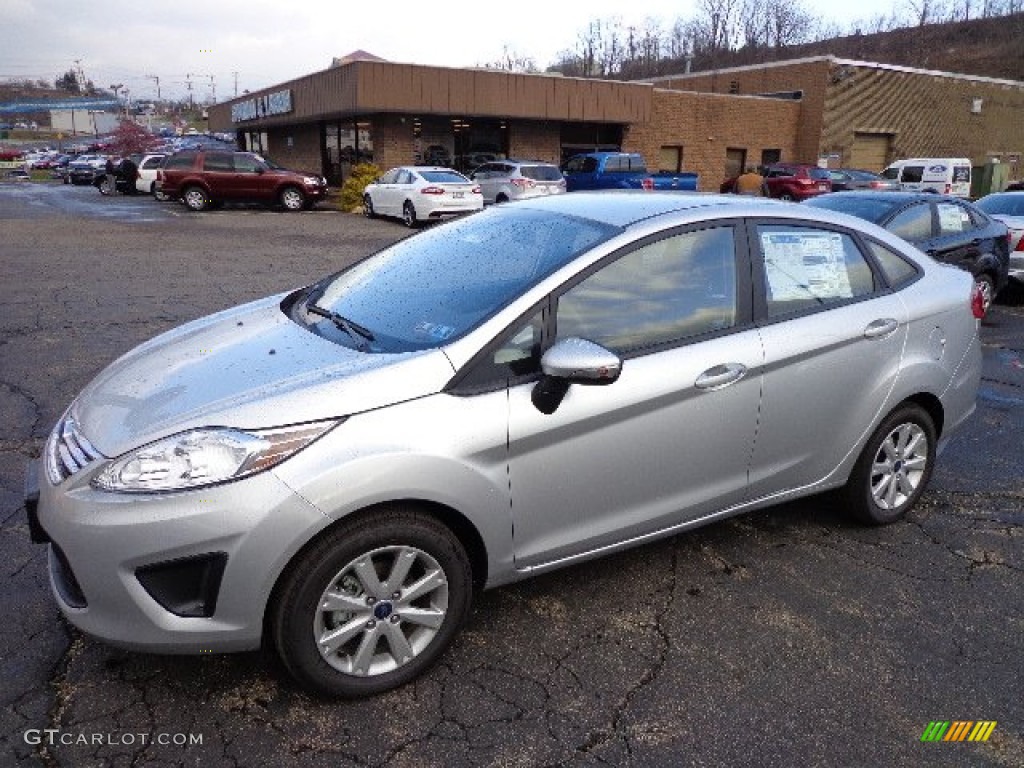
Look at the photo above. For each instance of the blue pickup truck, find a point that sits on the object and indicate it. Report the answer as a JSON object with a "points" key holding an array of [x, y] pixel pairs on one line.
{"points": [[621, 170]]}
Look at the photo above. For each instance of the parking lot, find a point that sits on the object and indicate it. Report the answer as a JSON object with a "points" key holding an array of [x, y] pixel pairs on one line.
{"points": [[785, 637]]}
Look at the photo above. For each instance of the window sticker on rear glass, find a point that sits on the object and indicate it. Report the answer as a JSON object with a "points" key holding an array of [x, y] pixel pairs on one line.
{"points": [[434, 331], [799, 265], [953, 218]]}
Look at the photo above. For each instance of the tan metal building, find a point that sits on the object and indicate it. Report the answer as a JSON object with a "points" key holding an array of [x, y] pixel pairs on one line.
{"points": [[823, 109]]}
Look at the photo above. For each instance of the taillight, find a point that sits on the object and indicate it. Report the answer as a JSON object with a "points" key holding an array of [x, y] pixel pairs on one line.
{"points": [[432, 191], [803, 181], [1020, 243], [977, 302], [877, 184], [647, 183], [949, 188], [523, 183], [475, 190]]}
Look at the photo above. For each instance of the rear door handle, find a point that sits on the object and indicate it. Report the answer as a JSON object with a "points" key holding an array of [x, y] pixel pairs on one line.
{"points": [[879, 329], [721, 376]]}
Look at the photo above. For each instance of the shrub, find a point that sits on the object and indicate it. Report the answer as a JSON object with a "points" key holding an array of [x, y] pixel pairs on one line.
{"points": [[352, 190]]}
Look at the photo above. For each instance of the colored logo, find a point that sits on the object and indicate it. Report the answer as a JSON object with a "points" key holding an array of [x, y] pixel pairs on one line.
{"points": [[958, 730]]}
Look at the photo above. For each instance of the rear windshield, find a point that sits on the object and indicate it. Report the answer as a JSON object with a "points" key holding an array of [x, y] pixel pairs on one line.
{"points": [[444, 177], [818, 173], [869, 208], [541, 172]]}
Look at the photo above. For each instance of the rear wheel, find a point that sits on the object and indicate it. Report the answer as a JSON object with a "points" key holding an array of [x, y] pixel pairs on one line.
{"points": [[409, 214], [502, 198], [372, 604], [195, 199], [894, 468], [292, 199]]}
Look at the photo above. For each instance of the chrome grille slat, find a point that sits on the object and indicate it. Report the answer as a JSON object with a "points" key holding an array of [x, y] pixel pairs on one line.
{"points": [[68, 451]]}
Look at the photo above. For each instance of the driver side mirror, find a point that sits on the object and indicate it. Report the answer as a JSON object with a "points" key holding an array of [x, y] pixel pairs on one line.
{"points": [[572, 361]]}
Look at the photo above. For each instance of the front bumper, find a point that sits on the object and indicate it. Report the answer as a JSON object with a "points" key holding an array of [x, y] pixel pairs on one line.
{"points": [[183, 572]]}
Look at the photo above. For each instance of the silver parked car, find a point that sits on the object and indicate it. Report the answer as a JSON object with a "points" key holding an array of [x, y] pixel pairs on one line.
{"points": [[504, 180], [334, 471]]}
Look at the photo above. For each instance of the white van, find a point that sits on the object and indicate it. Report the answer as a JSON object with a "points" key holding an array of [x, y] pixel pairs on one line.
{"points": [[944, 175]]}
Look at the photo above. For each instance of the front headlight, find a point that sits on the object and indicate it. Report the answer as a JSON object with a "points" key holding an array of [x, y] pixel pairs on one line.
{"points": [[204, 457], [313, 181]]}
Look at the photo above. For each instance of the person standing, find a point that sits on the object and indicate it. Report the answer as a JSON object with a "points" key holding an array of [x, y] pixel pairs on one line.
{"points": [[750, 183]]}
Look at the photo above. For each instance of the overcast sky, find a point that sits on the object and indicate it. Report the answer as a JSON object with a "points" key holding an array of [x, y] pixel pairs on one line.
{"points": [[221, 45]]}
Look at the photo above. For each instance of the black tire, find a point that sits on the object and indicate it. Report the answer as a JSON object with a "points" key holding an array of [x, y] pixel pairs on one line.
{"points": [[195, 198], [106, 186], [399, 543], [292, 199], [987, 286], [160, 196], [786, 196], [501, 199], [368, 211], [894, 468], [409, 215]]}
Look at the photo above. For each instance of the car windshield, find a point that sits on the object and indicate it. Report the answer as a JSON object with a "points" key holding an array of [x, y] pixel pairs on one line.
{"points": [[432, 288], [444, 177], [541, 172], [869, 208], [1007, 205]]}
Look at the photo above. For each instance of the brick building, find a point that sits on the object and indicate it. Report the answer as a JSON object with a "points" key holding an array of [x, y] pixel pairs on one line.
{"points": [[818, 110]]}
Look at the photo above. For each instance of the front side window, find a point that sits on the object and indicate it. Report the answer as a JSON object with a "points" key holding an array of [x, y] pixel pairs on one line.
{"points": [[246, 163], [665, 291], [807, 268]]}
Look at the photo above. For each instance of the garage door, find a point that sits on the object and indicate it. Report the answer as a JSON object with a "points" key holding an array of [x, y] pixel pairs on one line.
{"points": [[870, 151]]}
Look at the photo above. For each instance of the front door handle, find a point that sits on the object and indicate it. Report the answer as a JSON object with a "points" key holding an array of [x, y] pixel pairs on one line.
{"points": [[721, 376], [879, 329]]}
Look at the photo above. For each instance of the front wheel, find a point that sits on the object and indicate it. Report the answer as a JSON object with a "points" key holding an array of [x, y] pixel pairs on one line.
{"points": [[195, 199], [372, 604], [409, 215], [292, 199], [368, 211], [894, 467], [106, 186]]}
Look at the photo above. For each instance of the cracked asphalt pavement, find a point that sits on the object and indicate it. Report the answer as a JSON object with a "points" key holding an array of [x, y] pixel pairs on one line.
{"points": [[786, 637]]}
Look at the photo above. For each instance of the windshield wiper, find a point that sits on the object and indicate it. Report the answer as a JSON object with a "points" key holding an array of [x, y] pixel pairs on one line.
{"points": [[352, 328]]}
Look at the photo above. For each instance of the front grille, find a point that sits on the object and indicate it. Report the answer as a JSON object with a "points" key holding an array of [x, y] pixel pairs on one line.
{"points": [[68, 451]]}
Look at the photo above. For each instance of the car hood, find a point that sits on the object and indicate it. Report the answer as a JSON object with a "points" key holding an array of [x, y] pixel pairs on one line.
{"points": [[248, 367]]}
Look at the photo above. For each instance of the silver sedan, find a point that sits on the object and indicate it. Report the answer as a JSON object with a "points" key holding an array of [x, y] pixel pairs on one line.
{"points": [[336, 471]]}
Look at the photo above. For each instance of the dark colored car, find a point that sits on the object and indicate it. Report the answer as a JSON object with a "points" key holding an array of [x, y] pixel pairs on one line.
{"points": [[848, 179], [948, 229], [796, 181], [205, 179]]}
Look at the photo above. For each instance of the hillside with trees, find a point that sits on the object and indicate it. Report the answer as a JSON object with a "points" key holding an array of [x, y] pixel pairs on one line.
{"points": [[979, 37]]}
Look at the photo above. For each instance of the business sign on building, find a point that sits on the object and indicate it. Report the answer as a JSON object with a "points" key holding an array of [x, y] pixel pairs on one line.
{"points": [[276, 103]]}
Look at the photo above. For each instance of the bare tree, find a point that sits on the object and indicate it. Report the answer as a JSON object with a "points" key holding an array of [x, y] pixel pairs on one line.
{"points": [[512, 61]]}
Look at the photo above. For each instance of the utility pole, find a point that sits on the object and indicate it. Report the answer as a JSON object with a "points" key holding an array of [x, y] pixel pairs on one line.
{"points": [[213, 89], [236, 83], [157, 79], [188, 84]]}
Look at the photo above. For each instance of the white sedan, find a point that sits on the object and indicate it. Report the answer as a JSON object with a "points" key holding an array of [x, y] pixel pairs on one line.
{"points": [[418, 193]]}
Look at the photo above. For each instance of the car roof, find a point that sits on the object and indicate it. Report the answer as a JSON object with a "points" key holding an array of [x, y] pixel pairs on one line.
{"points": [[896, 196], [622, 208]]}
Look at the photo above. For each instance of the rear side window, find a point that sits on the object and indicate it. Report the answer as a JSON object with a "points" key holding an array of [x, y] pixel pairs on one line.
{"points": [[807, 268], [897, 270], [541, 172], [243, 163], [180, 160], [953, 219], [218, 161]]}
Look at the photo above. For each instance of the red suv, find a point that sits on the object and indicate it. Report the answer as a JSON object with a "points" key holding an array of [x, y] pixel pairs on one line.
{"points": [[796, 181], [208, 179]]}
